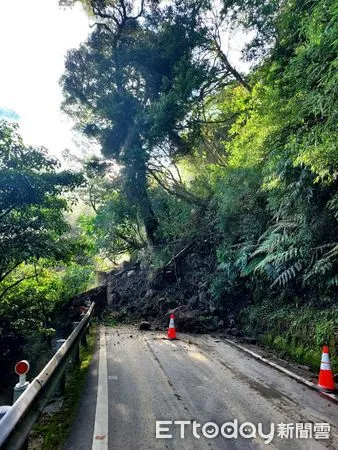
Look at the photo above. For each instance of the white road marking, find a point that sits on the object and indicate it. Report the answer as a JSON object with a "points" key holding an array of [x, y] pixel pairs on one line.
{"points": [[113, 377], [100, 438]]}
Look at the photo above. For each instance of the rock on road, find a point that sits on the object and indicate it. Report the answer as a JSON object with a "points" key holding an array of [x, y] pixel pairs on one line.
{"points": [[137, 378]]}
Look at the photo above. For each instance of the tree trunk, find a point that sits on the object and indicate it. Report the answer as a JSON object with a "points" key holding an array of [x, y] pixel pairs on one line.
{"points": [[148, 216], [137, 188]]}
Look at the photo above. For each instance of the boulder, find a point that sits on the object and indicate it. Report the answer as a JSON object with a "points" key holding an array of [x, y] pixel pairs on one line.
{"points": [[145, 326], [235, 332]]}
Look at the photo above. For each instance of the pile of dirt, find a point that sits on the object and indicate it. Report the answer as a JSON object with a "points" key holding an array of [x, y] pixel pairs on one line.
{"points": [[182, 287]]}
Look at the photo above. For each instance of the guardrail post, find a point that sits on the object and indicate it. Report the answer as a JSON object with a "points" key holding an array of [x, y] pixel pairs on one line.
{"points": [[61, 386], [76, 357], [21, 369]]}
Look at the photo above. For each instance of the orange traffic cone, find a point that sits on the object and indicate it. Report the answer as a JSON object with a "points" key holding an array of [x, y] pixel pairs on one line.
{"points": [[325, 380], [171, 329]]}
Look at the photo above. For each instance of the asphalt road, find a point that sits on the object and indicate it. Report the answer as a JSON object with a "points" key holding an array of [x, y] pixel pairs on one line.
{"points": [[138, 378]]}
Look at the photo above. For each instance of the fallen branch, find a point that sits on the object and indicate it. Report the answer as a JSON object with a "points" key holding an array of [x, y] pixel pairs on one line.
{"points": [[173, 311], [180, 255]]}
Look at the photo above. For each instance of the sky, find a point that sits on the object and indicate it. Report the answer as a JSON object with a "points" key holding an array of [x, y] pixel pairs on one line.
{"points": [[34, 38]]}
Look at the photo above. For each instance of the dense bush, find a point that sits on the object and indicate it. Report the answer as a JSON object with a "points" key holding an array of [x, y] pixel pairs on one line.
{"points": [[294, 332]]}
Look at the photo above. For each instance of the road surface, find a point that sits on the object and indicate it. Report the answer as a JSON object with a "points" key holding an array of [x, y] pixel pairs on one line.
{"points": [[137, 378]]}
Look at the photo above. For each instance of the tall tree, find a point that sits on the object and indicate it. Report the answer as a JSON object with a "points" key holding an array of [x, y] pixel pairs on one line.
{"points": [[138, 83], [31, 207], [131, 84]]}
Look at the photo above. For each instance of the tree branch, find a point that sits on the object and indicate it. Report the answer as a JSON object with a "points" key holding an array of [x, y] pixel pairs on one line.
{"points": [[229, 67], [178, 190], [2, 277], [16, 283]]}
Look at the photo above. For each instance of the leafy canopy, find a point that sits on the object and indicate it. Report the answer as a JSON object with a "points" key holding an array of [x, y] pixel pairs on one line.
{"points": [[32, 207]]}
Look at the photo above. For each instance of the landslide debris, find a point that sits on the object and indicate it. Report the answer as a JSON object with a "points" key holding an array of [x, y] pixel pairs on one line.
{"points": [[181, 286]]}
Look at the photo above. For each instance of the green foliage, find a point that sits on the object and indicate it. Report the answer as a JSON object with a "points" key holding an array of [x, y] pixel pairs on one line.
{"points": [[40, 257], [115, 229], [299, 333], [175, 217], [177, 225], [285, 132], [32, 210], [307, 84], [32, 304]]}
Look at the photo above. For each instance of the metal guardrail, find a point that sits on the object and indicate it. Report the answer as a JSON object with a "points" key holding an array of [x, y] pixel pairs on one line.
{"points": [[19, 420]]}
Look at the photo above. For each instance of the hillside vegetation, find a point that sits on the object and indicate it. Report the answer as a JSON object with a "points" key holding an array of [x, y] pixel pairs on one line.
{"points": [[239, 169]]}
